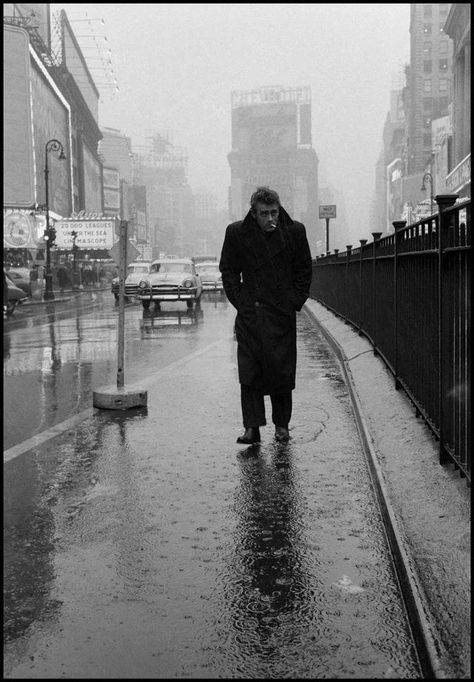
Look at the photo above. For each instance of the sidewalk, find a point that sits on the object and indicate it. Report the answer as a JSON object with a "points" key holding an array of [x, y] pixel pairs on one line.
{"points": [[65, 295], [428, 504]]}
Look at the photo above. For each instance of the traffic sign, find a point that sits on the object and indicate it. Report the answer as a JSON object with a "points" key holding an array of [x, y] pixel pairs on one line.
{"points": [[327, 210], [132, 253]]}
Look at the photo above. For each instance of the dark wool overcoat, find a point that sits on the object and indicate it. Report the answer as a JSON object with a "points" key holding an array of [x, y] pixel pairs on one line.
{"points": [[267, 279]]}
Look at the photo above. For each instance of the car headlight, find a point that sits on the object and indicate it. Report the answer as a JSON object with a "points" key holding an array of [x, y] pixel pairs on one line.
{"points": [[188, 283], [143, 284]]}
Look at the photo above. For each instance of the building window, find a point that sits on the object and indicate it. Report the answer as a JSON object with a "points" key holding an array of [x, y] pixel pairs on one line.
{"points": [[427, 10], [443, 84], [427, 29], [443, 105], [427, 140], [427, 104], [426, 48], [427, 85], [441, 27], [443, 64], [427, 66], [427, 122], [443, 46]]}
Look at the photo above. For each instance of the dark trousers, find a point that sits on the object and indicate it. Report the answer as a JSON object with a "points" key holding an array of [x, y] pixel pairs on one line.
{"points": [[253, 407]]}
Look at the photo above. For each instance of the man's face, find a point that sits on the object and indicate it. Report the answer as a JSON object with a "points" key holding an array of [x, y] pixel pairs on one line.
{"points": [[266, 215]]}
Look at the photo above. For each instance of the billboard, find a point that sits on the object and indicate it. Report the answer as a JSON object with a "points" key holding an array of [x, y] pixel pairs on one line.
{"points": [[92, 181], [264, 128], [18, 159], [111, 182], [19, 230], [51, 121]]}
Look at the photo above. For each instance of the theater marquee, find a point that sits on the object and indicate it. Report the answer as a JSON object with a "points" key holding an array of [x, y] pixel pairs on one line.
{"points": [[91, 234]]}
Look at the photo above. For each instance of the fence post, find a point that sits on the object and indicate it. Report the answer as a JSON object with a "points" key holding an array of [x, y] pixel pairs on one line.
{"points": [[363, 242], [376, 236], [444, 201], [348, 255], [398, 225]]}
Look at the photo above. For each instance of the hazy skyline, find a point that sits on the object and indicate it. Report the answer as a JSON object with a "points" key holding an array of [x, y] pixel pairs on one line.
{"points": [[176, 65]]}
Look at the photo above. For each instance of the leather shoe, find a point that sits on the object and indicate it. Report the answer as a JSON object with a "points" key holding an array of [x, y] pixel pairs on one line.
{"points": [[282, 433], [251, 435]]}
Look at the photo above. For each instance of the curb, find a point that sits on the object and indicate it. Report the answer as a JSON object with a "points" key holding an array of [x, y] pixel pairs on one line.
{"points": [[70, 294], [415, 602]]}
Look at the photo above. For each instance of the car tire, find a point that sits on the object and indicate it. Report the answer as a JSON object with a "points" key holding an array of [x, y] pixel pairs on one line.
{"points": [[10, 307], [146, 305]]}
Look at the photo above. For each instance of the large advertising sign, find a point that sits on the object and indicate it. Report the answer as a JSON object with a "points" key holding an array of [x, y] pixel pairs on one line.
{"points": [[264, 127], [92, 182], [111, 183], [18, 161], [19, 230], [91, 234], [51, 121]]}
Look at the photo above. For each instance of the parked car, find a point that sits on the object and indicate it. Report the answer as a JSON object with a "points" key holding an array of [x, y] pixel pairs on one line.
{"points": [[12, 295], [135, 272], [21, 278], [211, 277], [169, 279]]}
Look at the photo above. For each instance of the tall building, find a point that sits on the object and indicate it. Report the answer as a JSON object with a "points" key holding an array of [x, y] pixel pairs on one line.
{"points": [[271, 145], [429, 80], [458, 27], [162, 168]]}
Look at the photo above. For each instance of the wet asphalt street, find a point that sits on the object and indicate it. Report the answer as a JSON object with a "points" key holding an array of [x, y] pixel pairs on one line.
{"points": [[149, 544]]}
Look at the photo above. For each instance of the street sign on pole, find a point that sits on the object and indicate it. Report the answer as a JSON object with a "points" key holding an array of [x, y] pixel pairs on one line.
{"points": [[327, 210], [131, 252]]}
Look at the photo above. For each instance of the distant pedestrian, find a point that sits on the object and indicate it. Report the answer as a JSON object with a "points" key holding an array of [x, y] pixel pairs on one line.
{"points": [[63, 277], [266, 273]]}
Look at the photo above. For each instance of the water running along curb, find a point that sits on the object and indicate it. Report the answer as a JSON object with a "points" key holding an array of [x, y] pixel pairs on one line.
{"points": [[413, 595]]}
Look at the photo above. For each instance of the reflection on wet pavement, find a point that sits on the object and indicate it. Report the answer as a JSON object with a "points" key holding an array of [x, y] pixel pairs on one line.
{"points": [[154, 547]]}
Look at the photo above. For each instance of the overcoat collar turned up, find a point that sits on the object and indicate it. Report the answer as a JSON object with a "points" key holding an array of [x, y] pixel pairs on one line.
{"points": [[258, 244]]}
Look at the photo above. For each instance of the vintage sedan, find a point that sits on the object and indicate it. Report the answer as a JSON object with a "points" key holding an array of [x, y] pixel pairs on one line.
{"points": [[21, 278], [135, 272], [12, 295], [211, 276], [170, 279]]}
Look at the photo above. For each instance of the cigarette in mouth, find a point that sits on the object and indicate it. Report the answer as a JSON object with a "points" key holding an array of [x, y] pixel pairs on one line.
{"points": [[272, 224]]}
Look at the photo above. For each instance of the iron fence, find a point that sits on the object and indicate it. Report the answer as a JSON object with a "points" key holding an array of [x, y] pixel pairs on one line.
{"points": [[409, 293]]}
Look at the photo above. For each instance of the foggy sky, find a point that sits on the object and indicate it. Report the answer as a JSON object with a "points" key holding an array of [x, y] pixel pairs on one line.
{"points": [[176, 65]]}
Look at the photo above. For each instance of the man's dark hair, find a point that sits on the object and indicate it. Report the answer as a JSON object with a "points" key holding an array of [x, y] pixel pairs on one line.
{"points": [[264, 195]]}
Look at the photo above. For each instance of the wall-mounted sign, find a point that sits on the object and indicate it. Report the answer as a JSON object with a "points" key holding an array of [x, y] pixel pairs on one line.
{"points": [[18, 230], [18, 162], [327, 210], [91, 234]]}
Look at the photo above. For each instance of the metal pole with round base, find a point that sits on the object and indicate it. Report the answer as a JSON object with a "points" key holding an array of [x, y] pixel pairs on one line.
{"points": [[120, 397]]}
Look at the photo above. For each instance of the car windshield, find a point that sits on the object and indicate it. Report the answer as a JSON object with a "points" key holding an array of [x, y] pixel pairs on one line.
{"points": [[171, 267], [137, 268]]}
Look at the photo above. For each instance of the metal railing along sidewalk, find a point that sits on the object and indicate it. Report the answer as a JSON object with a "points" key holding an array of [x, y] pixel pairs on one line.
{"points": [[409, 293]]}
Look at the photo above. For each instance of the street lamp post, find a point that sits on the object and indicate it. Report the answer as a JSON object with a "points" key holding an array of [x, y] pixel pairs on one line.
{"points": [[50, 233], [429, 177], [74, 251]]}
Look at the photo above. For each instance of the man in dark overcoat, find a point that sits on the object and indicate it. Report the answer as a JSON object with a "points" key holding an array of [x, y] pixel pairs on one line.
{"points": [[266, 273]]}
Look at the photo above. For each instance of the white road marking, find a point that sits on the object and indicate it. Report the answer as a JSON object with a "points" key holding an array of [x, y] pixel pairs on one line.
{"points": [[58, 429]]}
